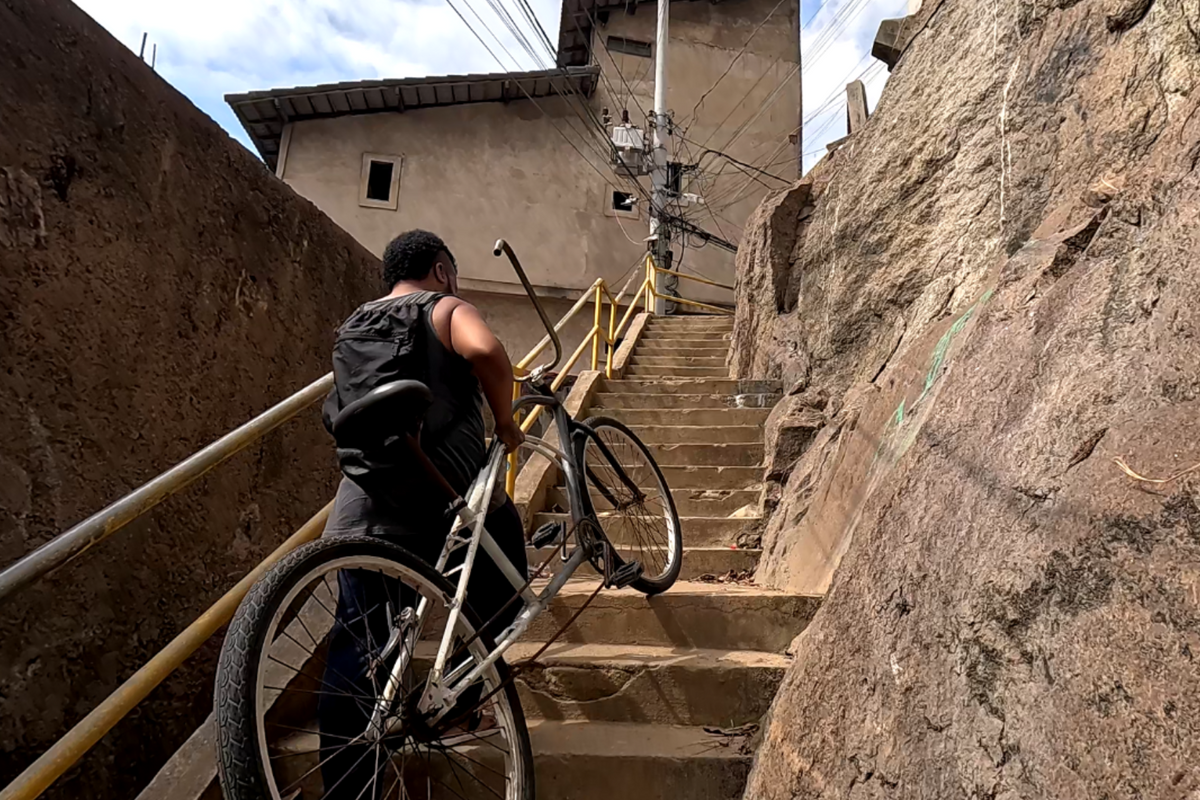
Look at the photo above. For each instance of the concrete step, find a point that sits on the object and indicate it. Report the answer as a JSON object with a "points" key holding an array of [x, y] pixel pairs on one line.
{"points": [[699, 434], [573, 760], [697, 531], [720, 323], [690, 615], [698, 455], [701, 347], [601, 761], [606, 402], [716, 341], [656, 685], [689, 502], [648, 360], [635, 370], [711, 477], [681, 385], [577, 760], [697, 562], [691, 416], [710, 336]]}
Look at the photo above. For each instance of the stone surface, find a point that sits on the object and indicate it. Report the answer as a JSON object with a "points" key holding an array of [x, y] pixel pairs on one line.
{"points": [[856, 106], [629, 341], [790, 429], [691, 615], [190, 774], [996, 287], [158, 287], [657, 685]]}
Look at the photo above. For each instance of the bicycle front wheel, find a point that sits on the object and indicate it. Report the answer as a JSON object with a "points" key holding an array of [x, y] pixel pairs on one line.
{"points": [[632, 502], [314, 647]]}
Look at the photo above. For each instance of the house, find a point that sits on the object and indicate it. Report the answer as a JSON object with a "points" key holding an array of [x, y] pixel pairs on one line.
{"points": [[528, 156]]}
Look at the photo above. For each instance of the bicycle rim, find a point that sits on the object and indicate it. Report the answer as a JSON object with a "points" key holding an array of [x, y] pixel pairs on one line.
{"points": [[632, 502], [315, 668]]}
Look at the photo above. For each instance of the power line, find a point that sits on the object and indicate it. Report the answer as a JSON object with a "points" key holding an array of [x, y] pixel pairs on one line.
{"points": [[828, 36], [613, 61], [537, 105], [762, 109], [749, 38], [513, 28], [535, 23]]}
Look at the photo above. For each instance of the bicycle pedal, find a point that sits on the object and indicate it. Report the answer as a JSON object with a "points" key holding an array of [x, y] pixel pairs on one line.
{"points": [[548, 534], [625, 574]]}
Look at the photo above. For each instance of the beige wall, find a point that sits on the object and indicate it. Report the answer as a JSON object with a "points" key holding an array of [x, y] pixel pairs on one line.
{"points": [[516, 324], [474, 173]]}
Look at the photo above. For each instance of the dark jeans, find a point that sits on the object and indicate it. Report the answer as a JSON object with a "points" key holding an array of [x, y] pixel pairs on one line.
{"points": [[361, 629]]}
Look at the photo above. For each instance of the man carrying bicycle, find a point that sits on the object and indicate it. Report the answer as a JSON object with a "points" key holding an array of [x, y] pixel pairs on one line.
{"points": [[421, 330]]}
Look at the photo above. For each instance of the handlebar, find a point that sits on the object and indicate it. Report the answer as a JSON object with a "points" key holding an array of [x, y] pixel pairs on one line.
{"points": [[502, 248]]}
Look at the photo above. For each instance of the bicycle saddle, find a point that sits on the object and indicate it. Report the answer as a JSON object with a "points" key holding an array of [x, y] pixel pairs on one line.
{"points": [[393, 409]]}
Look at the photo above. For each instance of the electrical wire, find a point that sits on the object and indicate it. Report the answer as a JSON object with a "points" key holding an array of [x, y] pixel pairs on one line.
{"points": [[537, 105], [741, 52]]}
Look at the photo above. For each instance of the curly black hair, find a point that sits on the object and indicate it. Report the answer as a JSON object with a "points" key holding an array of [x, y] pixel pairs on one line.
{"points": [[411, 255]]}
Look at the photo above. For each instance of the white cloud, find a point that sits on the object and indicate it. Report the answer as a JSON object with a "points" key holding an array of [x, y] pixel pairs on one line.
{"points": [[207, 50], [835, 48]]}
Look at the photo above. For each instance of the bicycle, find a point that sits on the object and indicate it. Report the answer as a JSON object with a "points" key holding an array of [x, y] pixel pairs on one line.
{"points": [[431, 675]]}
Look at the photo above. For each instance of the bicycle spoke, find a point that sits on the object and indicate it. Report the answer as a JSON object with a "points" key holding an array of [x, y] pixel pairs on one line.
{"points": [[321, 763], [318, 692], [470, 774]]}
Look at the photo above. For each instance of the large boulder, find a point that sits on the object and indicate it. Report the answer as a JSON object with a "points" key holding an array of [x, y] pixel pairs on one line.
{"points": [[996, 286]]}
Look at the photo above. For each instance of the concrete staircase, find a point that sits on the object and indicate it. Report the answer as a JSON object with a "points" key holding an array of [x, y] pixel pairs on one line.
{"points": [[658, 698], [654, 698]]}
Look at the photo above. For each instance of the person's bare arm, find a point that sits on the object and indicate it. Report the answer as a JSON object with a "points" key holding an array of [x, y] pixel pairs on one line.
{"points": [[472, 339]]}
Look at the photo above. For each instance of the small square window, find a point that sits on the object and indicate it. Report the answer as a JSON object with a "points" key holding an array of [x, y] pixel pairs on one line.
{"points": [[630, 47], [675, 178], [379, 185], [621, 204], [622, 201], [379, 180]]}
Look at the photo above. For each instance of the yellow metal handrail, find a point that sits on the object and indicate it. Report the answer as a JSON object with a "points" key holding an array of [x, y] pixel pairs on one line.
{"points": [[38, 776], [645, 296]]}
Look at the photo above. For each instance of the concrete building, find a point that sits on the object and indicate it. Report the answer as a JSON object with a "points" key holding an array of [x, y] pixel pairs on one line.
{"points": [[522, 156]]}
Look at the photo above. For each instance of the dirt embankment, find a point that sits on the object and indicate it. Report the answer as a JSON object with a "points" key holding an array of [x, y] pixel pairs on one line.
{"points": [[979, 303], [157, 288]]}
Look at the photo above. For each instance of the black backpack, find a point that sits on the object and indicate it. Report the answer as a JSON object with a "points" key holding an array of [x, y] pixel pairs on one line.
{"points": [[381, 342]]}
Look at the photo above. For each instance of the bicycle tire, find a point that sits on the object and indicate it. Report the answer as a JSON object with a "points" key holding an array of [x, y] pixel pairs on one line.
{"points": [[239, 761], [666, 579]]}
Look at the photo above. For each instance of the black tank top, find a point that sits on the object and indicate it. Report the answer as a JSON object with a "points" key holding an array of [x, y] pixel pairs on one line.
{"points": [[394, 339]]}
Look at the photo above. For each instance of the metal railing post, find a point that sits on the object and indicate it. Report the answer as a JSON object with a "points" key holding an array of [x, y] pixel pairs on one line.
{"points": [[510, 480], [612, 336], [596, 325]]}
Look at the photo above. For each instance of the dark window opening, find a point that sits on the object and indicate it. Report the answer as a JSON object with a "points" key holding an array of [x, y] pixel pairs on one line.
{"points": [[622, 201], [379, 181], [630, 47], [675, 177]]}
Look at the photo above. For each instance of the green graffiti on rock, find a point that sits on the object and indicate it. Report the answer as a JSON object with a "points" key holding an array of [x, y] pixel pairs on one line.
{"points": [[936, 363]]}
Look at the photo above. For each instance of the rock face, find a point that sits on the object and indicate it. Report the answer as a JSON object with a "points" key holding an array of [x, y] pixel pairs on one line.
{"points": [[995, 284], [158, 287]]}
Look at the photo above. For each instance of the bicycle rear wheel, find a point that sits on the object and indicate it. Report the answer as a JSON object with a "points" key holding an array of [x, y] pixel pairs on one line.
{"points": [[305, 661], [630, 498]]}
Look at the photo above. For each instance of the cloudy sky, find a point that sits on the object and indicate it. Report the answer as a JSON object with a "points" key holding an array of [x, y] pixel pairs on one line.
{"points": [[211, 48]]}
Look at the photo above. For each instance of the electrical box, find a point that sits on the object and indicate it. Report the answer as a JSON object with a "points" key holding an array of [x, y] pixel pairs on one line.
{"points": [[629, 144]]}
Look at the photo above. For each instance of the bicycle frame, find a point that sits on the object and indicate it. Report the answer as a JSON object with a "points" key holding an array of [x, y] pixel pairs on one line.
{"points": [[442, 689]]}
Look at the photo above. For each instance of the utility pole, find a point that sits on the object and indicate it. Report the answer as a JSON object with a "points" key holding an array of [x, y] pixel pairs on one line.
{"points": [[660, 231]]}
